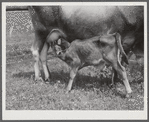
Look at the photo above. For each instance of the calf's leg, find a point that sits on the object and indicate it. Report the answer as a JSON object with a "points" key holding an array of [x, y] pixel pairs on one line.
{"points": [[114, 60], [123, 74], [73, 73]]}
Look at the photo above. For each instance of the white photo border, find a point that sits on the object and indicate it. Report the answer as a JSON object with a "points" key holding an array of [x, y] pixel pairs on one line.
{"points": [[75, 114]]}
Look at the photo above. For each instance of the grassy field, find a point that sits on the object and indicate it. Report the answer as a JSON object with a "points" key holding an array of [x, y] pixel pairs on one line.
{"points": [[91, 90]]}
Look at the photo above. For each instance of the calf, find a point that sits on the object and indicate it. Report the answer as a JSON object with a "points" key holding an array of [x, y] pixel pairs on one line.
{"points": [[98, 51], [82, 22]]}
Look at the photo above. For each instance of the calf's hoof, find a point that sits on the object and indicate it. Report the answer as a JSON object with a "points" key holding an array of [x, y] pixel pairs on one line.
{"points": [[129, 95], [67, 90]]}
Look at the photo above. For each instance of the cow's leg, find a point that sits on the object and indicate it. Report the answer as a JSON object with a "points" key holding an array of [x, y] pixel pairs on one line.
{"points": [[36, 48], [129, 54], [73, 73], [139, 59], [43, 56], [114, 77]]}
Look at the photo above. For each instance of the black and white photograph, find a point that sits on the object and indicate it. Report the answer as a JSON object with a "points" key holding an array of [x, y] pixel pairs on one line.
{"points": [[74, 60]]}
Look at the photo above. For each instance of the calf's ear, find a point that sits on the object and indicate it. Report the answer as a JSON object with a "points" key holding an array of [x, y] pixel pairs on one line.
{"points": [[65, 43]]}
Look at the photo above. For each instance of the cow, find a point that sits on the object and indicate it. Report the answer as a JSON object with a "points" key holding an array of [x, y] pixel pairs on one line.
{"points": [[98, 51], [137, 47], [83, 22]]}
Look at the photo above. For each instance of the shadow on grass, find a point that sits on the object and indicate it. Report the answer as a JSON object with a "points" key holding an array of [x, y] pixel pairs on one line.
{"points": [[24, 75], [87, 83], [81, 81]]}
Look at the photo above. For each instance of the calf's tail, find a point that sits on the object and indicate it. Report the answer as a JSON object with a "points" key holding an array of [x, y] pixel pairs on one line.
{"points": [[118, 40]]}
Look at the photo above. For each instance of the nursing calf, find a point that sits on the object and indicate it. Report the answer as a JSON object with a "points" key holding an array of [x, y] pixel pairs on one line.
{"points": [[83, 22], [97, 51]]}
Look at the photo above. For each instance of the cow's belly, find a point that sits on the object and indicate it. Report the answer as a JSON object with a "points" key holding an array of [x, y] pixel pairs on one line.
{"points": [[86, 22], [89, 13]]}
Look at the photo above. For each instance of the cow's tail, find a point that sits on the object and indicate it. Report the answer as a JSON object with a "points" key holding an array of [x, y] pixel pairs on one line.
{"points": [[118, 40]]}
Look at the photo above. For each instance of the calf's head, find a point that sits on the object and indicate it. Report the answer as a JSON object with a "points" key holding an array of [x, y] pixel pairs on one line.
{"points": [[61, 47]]}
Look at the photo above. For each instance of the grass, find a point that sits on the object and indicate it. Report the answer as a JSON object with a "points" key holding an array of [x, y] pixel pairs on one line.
{"points": [[91, 90]]}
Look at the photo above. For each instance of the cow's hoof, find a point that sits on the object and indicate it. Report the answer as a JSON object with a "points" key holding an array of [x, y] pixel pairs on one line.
{"points": [[47, 80], [111, 85], [39, 79]]}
